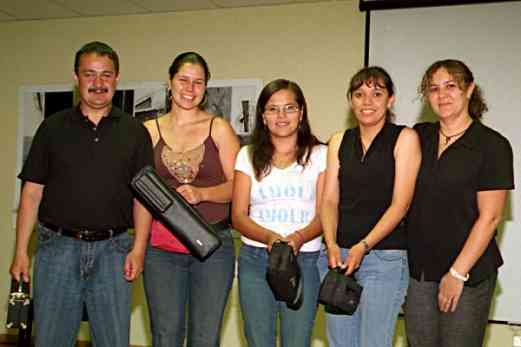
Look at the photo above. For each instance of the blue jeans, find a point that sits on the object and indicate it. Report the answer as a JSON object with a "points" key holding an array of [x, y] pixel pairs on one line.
{"points": [[260, 309], [69, 274], [178, 284], [384, 276]]}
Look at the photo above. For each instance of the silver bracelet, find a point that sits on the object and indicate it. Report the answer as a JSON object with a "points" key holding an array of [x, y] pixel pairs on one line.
{"points": [[458, 276]]}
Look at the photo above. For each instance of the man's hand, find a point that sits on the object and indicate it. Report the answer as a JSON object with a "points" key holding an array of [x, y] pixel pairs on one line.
{"points": [[20, 267]]}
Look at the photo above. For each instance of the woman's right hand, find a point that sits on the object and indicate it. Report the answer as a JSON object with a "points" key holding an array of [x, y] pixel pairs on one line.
{"points": [[355, 257], [272, 238], [334, 256], [191, 193]]}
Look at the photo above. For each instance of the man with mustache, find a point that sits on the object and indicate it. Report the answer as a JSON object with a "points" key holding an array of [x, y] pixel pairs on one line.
{"points": [[76, 192]]}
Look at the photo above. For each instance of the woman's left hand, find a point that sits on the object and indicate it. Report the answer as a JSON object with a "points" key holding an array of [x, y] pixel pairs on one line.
{"points": [[354, 258], [295, 241], [192, 194], [449, 292]]}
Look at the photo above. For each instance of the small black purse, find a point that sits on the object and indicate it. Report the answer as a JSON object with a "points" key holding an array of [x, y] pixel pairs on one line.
{"points": [[19, 306], [339, 293], [284, 276]]}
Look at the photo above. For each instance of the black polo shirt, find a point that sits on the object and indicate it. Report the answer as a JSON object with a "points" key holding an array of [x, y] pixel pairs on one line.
{"points": [[366, 187], [86, 169], [445, 206]]}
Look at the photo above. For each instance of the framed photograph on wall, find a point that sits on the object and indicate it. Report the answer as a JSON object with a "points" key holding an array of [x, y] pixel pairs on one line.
{"points": [[235, 100]]}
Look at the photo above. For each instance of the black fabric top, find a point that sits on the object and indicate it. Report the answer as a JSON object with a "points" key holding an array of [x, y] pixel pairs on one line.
{"points": [[366, 187], [445, 206], [86, 169]]}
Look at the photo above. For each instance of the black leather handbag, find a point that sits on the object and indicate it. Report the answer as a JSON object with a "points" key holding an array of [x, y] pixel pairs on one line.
{"points": [[284, 276], [175, 213], [339, 293], [19, 306]]}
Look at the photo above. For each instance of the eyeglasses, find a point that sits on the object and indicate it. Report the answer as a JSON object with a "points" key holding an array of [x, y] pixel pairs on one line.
{"points": [[287, 109]]}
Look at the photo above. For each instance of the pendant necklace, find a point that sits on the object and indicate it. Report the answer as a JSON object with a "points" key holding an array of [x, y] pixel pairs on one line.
{"points": [[450, 137]]}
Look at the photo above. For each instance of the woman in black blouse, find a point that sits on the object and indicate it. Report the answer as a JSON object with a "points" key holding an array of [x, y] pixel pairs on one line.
{"points": [[369, 185], [465, 174]]}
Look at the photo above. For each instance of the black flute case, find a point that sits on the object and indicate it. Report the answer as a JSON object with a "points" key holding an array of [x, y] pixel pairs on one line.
{"points": [[175, 213]]}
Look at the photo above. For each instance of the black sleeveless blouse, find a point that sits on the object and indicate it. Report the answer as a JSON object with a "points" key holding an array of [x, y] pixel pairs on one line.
{"points": [[366, 187]]}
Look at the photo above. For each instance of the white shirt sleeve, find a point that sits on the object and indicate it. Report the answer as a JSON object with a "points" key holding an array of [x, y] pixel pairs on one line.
{"points": [[322, 157], [319, 157], [243, 162]]}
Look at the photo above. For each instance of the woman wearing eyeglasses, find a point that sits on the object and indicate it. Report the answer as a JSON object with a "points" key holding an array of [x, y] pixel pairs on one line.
{"points": [[370, 177], [465, 175], [276, 194]]}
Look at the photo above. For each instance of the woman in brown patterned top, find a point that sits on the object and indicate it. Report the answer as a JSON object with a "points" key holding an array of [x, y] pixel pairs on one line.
{"points": [[194, 151]]}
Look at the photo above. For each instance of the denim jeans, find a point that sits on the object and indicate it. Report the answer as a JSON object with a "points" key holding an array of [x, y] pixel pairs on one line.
{"points": [[260, 309], [384, 276], [427, 326], [69, 274], [179, 284]]}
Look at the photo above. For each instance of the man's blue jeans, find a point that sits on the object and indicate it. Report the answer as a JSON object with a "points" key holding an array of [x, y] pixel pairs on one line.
{"points": [[384, 276], [179, 284], [259, 308], [69, 274]]}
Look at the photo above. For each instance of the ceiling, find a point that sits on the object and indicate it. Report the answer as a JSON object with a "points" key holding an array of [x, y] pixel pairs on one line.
{"points": [[19, 10]]}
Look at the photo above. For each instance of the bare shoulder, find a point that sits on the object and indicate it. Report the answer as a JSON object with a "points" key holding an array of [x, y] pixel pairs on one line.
{"points": [[151, 126], [335, 140], [221, 127], [408, 136], [408, 144]]}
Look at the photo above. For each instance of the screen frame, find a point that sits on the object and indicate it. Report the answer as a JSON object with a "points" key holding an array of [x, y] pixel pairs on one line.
{"points": [[370, 5]]}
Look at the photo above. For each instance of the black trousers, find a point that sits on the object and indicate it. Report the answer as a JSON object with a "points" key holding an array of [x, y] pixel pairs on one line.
{"points": [[427, 326]]}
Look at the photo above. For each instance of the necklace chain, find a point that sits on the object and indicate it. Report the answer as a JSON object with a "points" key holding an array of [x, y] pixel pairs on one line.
{"points": [[450, 137]]}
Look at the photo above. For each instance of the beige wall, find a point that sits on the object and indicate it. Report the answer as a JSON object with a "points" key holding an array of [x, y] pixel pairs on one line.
{"points": [[318, 45]]}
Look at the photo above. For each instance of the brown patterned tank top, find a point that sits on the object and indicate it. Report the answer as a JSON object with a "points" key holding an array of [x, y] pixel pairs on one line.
{"points": [[200, 167]]}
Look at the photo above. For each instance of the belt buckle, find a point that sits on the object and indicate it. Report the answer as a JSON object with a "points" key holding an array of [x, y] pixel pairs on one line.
{"points": [[86, 235], [90, 235], [82, 235]]}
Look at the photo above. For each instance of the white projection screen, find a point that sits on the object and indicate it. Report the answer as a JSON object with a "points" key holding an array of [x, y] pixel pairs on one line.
{"points": [[488, 38]]}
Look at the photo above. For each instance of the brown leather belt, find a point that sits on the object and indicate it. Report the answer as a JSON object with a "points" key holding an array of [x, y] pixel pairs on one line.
{"points": [[85, 234]]}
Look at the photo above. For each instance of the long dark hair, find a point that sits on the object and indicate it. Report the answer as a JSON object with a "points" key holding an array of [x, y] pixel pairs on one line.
{"points": [[177, 64], [464, 77], [262, 149]]}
